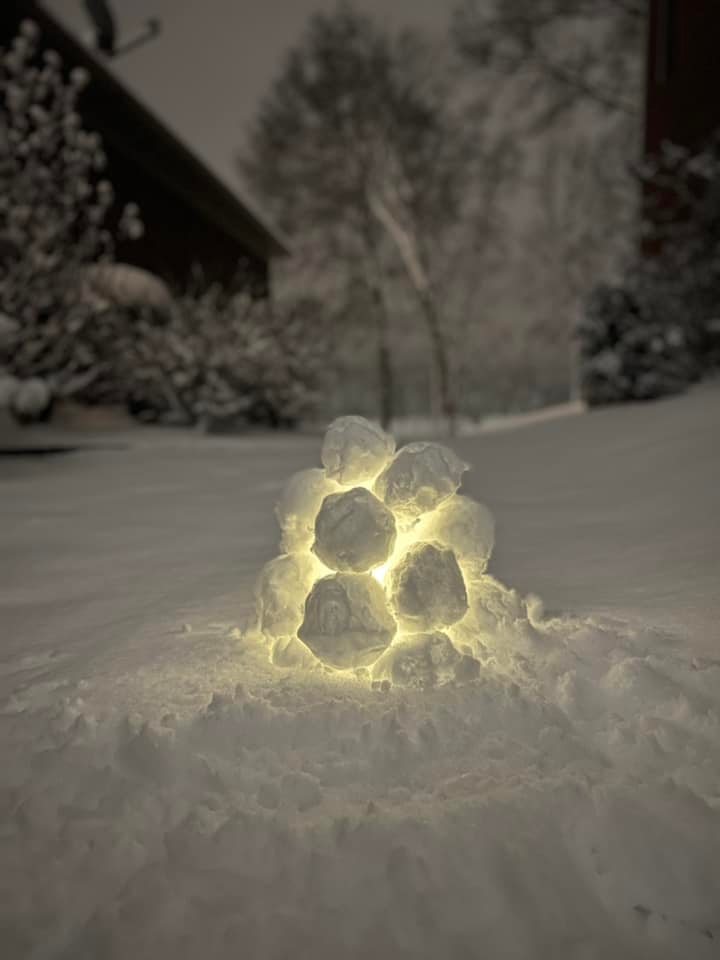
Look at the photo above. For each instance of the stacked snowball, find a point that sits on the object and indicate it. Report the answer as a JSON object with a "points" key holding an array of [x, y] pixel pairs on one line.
{"points": [[383, 564]]}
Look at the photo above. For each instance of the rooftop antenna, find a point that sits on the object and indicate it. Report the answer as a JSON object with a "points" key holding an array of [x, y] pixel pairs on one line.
{"points": [[105, 30]]}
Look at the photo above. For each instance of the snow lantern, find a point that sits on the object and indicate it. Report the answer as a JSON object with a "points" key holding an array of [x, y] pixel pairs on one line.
{"points": [[379, 554]]}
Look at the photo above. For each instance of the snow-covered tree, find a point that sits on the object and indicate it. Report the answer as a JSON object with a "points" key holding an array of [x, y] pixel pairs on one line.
{"points": [[55, 207]]}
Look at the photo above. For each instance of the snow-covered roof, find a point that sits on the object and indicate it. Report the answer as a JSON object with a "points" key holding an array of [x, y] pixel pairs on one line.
{"points": [[138, 134]]}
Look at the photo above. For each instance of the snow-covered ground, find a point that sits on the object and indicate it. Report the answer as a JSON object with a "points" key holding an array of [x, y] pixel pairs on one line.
{"points": [[165, 792]]}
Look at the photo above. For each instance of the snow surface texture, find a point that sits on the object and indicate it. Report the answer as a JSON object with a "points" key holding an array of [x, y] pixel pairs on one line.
{"points": [[563, 801]]}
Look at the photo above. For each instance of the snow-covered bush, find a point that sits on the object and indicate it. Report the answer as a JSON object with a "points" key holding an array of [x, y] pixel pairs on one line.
{"points": [[54, 215], [629, 353], [681, 282], [221, 360], [658, 330]]}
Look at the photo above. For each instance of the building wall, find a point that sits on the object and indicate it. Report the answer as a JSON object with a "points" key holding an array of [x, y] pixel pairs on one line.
{"points": [[682, 100], [175, 238], [683, 72]]}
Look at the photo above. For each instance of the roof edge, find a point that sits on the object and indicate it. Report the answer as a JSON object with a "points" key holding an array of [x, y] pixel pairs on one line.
{"points": [[268, 238]]}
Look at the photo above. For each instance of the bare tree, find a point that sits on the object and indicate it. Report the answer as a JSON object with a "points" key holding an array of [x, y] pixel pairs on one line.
{"points": [[358, 142], [569, 76], [565, 52]]}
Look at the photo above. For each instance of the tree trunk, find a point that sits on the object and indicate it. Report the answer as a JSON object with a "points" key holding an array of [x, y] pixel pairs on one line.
{"points": [[440, 357], [385, 373], [373, 277], [418, 276]]}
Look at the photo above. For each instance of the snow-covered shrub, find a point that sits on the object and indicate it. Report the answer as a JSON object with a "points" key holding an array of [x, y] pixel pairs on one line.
{"points": [[658, 330], [627, 352], [221, 360], [54, 215]]}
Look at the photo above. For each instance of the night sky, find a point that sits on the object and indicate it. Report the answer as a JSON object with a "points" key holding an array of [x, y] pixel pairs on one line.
{"points": [[214, 60]]}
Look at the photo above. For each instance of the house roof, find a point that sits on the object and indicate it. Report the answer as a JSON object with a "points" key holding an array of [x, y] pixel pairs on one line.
{"points": [[139, 136]]}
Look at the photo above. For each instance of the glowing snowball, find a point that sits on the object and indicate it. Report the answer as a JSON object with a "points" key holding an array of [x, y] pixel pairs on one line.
{"points": [[354, 531], [427, 588], [347, 621], [355, 450], [298, 506], [466, 526], [420, 660], [280, 593], [419, 477]]}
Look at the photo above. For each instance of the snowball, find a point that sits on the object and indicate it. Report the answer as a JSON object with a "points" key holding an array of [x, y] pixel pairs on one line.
{"points": [[427, 588], [298, 506], [494, 605], [496, 618], [347, 621], [419, 477], [280, 593], [355, 450], [354, 531], [466, 526], [31, 400], [420, 660]]}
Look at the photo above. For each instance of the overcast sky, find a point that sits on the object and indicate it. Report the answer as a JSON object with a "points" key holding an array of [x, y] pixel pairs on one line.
{"points": [[212, 63]]}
